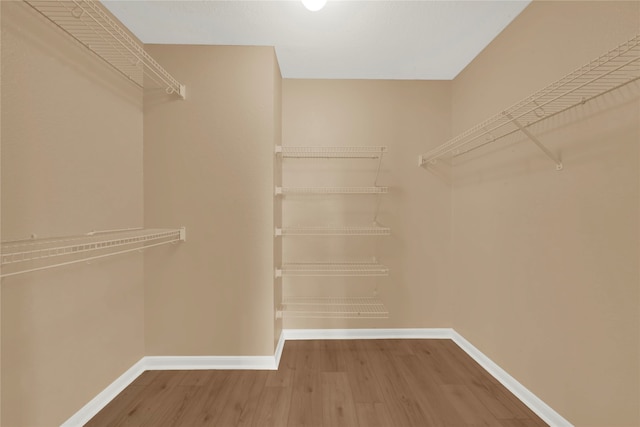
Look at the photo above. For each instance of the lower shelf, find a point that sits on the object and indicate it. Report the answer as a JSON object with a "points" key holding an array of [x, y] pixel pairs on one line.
{"points": [[334, 307], [344, 269]]}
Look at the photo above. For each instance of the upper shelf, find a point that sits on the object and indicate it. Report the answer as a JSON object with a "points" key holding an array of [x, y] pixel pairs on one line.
{"points": [[85, 21], [19, 256], [610, 71], [374, 230], [330, 190], [330, 152]]}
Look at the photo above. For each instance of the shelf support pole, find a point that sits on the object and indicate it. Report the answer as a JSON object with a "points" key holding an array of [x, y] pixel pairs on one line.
{"points": [[535, 140]]}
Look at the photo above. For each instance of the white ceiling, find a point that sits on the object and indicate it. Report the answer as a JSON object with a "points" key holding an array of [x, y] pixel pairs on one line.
{"points": [[419, 39]]}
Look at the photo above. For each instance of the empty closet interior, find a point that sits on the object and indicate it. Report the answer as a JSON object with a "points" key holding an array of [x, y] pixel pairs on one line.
{"points": [[186, 200]]}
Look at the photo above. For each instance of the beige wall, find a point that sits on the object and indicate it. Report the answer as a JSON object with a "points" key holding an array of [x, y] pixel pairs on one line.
{"points": [[209, 165], [71, 163], [546, 262], [407, 117]]}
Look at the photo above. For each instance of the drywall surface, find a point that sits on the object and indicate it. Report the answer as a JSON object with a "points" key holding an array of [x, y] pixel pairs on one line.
{"points": [[71, 163], [546, 271], [406, 117], [209, 165]]}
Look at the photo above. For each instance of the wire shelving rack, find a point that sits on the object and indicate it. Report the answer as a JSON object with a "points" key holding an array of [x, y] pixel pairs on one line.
{"points": [[333, 269], [26, 256], [333, 307], [319, 152], [89, 24], [330, 190], [614, 69], [333, 231]]}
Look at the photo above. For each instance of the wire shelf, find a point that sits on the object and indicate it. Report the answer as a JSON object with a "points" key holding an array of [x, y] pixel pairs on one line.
{"points": [[333, 231], [330, 152], [82, 248], [334, 307], [89, 24], [336, 269], [330, 190], [610, 71]]}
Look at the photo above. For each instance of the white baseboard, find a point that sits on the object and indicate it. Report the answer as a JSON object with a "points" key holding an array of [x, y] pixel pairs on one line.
{"points": [[370, 334], [159, 363], [534, 403], [164, 363], [279, 348], [87, 412]]}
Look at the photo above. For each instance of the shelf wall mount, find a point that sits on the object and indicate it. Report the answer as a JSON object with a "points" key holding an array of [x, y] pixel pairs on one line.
{"points": [[612, 70], [91, 26]]}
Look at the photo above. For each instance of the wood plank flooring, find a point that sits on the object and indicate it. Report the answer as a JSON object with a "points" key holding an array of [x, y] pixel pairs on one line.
{"points": [[351, 383]]}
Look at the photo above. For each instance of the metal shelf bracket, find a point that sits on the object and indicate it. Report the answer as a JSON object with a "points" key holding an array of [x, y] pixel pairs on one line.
{"points": [[536, 141]]}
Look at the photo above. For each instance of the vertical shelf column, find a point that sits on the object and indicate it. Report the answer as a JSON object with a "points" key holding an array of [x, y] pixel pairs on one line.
{"points": [[339, 306]]}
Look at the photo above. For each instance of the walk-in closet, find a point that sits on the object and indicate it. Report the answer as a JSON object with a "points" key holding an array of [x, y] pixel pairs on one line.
{"points": [[378, 213]]}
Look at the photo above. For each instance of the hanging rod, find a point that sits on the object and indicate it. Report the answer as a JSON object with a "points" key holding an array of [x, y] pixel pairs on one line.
{"points": [[74, 249], [330, 152], [614, 69], [333, 307], [333, 231], [89, 24]]}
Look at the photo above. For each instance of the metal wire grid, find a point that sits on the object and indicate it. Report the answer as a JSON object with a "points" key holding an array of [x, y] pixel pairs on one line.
{"points": [[331, 190], [338, 269], [333, 231], [86, 22], [610, 71], [334, 307], [31, 250], [331, 152]]}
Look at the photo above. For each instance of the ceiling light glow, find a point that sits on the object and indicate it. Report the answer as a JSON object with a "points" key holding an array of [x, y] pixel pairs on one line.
{"points": [[314, 5]]}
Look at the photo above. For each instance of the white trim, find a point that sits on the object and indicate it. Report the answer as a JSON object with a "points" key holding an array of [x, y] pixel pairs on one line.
{"points": [[88, 411], [534, 403], [279, 348], [96, 404], [367, 334], [162, 363]]}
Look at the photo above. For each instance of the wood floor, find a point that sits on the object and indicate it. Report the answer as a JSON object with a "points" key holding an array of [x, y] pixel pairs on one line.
{"points": [[331, 384]]}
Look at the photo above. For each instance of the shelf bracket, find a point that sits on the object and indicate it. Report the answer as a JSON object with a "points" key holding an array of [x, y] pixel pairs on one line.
{"points": [[535, 140]]}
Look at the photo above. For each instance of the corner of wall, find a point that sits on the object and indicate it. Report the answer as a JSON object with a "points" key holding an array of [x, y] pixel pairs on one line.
{"points": [[277, 204]]}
